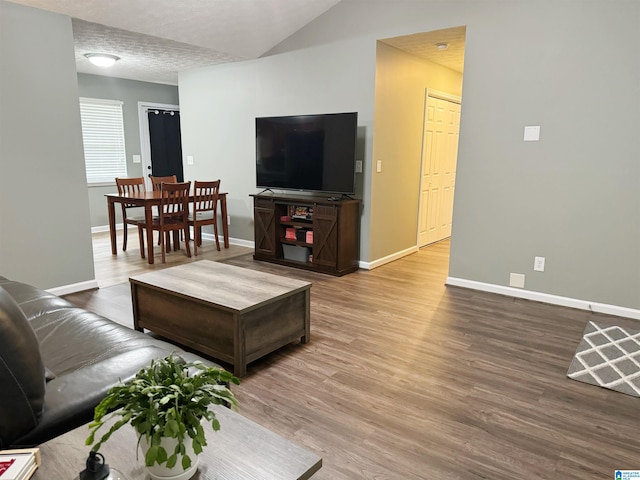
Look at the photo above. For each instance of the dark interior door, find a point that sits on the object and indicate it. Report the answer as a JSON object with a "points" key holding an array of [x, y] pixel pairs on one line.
{"points": [[166, 143]]}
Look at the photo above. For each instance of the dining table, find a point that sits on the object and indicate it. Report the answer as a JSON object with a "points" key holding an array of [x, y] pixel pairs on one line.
{"points": [[148, 200]]}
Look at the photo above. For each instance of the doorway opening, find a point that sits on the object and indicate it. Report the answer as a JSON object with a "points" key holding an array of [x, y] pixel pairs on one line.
{"points": [[415, 74]]}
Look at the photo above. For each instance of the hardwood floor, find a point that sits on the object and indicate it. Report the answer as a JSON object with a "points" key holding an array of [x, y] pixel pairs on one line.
{"points": [[405, 378], [114, 269]]}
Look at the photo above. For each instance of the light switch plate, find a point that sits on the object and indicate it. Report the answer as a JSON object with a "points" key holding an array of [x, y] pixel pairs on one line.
{"points": [[189, 160], [532, 134], [379, 166], [136, 159], [358, 166]]}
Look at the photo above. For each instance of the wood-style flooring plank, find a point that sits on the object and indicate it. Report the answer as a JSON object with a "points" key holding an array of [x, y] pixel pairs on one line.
{"points": [[405, 378]]}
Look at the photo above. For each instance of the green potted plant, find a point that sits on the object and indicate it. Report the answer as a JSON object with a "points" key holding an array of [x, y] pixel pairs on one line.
{"points": [[165, 403]]}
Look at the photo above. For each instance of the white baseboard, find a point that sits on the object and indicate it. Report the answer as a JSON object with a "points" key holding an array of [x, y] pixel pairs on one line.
{"points": [[453, 281], [388, 259], [74, 287], [546, 298], [208, 236], [91, 284], [232, 241], [105, 228]]}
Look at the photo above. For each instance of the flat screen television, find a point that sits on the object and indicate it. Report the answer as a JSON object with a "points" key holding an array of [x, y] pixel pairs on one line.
{"points": [[307, 152]]}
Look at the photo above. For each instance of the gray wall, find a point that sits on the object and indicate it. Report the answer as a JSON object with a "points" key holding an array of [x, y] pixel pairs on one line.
{"points": [[571, 67], [573, 197], [45, 236], [219, 104], [130, 93]]}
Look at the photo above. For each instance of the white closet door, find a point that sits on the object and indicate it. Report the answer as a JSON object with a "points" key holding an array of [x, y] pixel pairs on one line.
{"points": [[439, 157]]}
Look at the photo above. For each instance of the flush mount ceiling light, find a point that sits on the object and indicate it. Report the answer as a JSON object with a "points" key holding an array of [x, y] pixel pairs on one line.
{"points": [[102, 59], [442, 46]]}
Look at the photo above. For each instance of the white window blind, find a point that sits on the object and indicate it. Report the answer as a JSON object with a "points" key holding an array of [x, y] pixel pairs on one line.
{"points": [[103, 137]]}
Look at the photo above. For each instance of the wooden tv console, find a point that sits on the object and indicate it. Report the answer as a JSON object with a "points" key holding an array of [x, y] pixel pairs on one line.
{"points": [[335, 242]]}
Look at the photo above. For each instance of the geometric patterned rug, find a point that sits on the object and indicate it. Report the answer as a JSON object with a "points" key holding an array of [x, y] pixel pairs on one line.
{"points": [[608, 356]]}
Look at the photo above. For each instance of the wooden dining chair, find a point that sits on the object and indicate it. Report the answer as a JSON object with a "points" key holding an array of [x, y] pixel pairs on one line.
{"points": [[156, 183], [130, 186], [204, 211], [173, 214]]}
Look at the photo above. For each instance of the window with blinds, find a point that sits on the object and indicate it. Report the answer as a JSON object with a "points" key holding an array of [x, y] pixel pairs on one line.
{"points": [[103, 137]]}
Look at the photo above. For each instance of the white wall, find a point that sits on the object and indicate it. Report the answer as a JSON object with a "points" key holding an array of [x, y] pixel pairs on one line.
{"points": [[45, 235], [572, 67]]}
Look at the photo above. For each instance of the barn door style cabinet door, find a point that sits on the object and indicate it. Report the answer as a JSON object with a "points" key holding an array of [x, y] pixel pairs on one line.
{"points": [[264, 227], [313, 233]]}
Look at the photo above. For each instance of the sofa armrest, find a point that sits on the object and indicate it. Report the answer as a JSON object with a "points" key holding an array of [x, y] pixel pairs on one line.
{"points": [[22, 373]]}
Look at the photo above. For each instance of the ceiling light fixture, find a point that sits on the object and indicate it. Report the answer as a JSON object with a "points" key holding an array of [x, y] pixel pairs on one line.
{"points": [[442, 46], [102, 59]]}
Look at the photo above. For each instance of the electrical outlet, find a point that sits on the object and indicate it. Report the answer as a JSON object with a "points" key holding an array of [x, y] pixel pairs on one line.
{"points": [[358, 166], [189, 160], [379, 166], [228, 219], [538, 264], [516, 280]]}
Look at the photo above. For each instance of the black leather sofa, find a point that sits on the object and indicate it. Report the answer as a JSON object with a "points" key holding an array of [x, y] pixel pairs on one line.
{"points": [[57, 362]]}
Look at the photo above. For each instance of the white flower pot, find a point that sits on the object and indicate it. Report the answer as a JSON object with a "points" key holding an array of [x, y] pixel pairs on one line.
{"points": [[161, 472]]}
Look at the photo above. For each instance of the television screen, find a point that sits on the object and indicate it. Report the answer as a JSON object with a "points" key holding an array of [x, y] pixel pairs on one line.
{"points": [[307, 152]]}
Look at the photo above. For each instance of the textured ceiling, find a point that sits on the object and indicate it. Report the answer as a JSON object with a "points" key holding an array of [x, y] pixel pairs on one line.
{"points": [[142, 57], [423, 45], [157, 38]]}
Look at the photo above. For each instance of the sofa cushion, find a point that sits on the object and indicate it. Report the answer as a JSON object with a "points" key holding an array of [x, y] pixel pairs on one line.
{"points": [[22, 373]]}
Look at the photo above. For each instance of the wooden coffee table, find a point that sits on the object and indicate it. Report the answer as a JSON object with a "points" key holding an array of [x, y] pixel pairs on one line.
{"points": [[240, 450], [233, 314]]}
